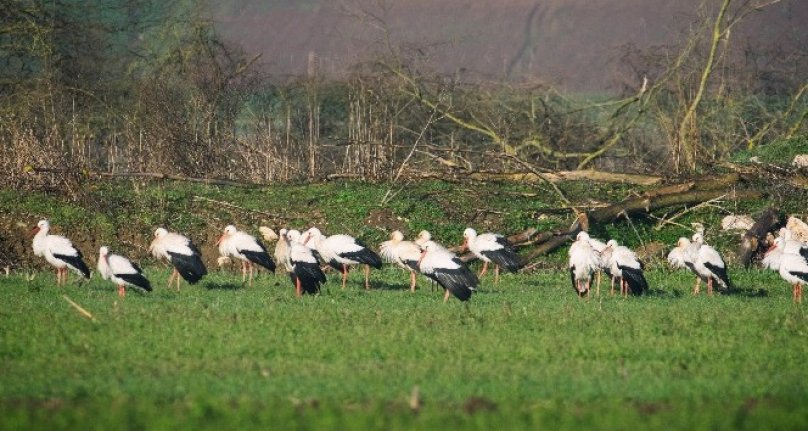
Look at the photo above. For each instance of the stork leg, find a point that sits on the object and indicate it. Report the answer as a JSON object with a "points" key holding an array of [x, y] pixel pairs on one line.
{"points": [[412, 281], [696, 289], [298, 287], [485, 268], [58, 276], [611, 291], [121, 290], [250, 268], [597, 284], [587, 289], [367, 277], [174, 273], [496, 274], [446, 296], [243, 272], [344, 275], [65, 273], [710, 286], [178, 280]]}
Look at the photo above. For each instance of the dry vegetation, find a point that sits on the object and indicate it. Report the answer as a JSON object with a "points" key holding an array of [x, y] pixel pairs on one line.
{"points": [[102, 89]]}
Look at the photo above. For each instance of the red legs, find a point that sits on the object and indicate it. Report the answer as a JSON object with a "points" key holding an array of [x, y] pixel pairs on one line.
{"points": [[243, 271], [587, 289], [485, 268], [412, 281], [121, 290], [623, 287], [696, 289], [298, 287], [367, 277], [344, 275], [709, 286], [496, 274], [174, 274], [797, 293], [446, 296], [251, 268]]}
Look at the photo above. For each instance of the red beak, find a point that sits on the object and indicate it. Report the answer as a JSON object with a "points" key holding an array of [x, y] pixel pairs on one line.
{"points": [[423, 253], [219, 241], [306, 241], [465, 245], [34, 231], [771, 248]]}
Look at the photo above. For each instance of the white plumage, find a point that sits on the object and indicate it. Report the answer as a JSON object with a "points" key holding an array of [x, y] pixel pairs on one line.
{"points": [[794, 268], [448, 270], [59, 252], [243, 246], [583, 262], [183, 255], [342, 251], [121, 271], [625, 265], [403, 253], [301, 263], [708, 264], [681, 256], [491, 247]]}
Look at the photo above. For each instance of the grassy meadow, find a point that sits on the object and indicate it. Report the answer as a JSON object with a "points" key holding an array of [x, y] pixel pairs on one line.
{"points": [[523, 354]]}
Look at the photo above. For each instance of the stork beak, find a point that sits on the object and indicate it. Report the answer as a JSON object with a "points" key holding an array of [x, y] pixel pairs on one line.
{"points": [[771, 248], [221, 238], [465, 245], [308, 237], [34, 231], [423, 253]]}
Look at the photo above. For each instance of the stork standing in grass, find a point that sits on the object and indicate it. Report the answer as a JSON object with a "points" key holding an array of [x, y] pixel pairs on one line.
{"points": [[341, 252], [403, 253], [491, 247], [181, 253], [708, 265], [583, 262], [301, 264], [121, 271], [59, 252], [241, 245], [627, 268], [447, 270], [269, 236], [794, 268]]}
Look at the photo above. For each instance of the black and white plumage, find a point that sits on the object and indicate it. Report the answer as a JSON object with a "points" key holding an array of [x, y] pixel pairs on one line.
{"points": [[59, 252], [708, 265], [794, 268], [181, 253], [627, 268], [121, 271], [447, 270], [301, 264], [341, 252], [403, 253], [241, 245], [492, 247], [583, 262]]}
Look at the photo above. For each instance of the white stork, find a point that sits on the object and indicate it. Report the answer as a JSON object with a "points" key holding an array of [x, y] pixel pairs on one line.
{"points": [[342, 251], [583, 262], [774, 255], [448, 270], [423, 237], [794, 268], [604, 263], [301, 264], [241, 245], [708, 265], [403, 253], [59, 252], [491, 247], [181, 253], [121, 271], [626, 267]]}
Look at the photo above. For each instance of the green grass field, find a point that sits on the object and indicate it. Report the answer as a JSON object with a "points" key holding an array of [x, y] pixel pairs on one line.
{"points": [[524, 354]]}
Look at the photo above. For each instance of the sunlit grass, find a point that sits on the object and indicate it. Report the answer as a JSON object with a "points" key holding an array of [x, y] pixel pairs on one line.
{"points": [[526, 353]]}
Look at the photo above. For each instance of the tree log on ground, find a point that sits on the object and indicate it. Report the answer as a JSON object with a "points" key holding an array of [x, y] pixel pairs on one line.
{"points": [[754, 239]]}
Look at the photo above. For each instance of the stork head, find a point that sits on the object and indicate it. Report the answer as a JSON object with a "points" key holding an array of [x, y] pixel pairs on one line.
{"points": [[468, 235], [312, 234], [160, 232], [423, 237], [103, 251], [396, 236], [293, 235], [698, 238], [582, 236], [778, 242], [683, 242], [42, 225], [611, 244], [229, 230], [426, 247]]}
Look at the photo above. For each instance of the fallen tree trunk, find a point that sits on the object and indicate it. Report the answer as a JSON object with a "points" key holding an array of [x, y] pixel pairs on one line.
{"points": [[754, 238]]}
